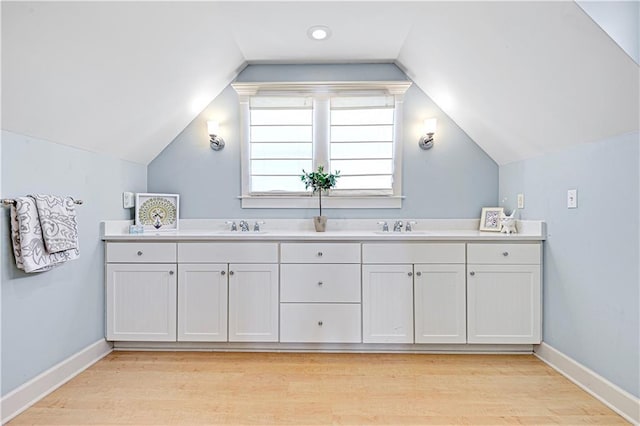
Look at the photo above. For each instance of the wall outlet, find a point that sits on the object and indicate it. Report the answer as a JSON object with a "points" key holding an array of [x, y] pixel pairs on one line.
{"points": [[572, 199], [521, 201], [128, 200]]}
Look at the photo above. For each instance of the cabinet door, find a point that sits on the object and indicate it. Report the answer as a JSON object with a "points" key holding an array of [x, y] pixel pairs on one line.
{"points": [[503, 304], [387, 303], [141, 302], [202, 302], [253, 303], [440, 304]]}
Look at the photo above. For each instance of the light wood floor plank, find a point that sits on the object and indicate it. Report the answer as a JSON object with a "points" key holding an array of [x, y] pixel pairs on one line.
{"points": [[198, 388]]}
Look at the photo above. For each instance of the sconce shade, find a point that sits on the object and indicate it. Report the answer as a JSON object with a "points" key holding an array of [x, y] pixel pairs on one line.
{"points": [[213, 128], [430, 125]]}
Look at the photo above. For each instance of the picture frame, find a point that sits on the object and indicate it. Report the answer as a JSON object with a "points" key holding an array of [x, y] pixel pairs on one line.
{"points": [[490, 219], [157, 212]]}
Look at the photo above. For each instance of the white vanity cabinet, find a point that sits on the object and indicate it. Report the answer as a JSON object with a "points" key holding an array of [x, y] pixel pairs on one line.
{"points": [[413, 292], [228, 286], [320, 293], [141, 291], [202, 302], [504, 293]]}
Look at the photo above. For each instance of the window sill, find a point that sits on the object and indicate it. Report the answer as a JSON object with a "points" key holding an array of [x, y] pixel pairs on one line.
{"points": [[307, 202]]}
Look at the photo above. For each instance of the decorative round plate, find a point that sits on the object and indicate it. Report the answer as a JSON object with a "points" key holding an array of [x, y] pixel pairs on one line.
{"points": [[157, 212]]}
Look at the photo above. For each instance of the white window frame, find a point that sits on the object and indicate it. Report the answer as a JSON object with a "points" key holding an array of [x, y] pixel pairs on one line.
{"points": [[321, 91]]}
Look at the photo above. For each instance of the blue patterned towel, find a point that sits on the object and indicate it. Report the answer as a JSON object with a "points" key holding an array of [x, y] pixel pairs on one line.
{"points": [[58, 221]]}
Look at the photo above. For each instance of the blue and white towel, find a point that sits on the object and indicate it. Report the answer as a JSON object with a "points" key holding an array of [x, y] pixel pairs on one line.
{"points": [[28, 242]]}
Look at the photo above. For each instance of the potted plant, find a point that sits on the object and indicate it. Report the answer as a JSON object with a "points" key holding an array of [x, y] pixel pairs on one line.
{"points": [[319, 181]]}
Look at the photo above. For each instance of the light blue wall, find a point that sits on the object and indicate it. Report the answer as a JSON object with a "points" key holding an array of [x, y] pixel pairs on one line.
{"points": [[50, 316], [452, 180], [591, 277], [619, 19]]}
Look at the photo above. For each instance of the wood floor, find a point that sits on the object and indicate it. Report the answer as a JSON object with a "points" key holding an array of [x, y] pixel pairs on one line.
{"points": [[187, 388]]}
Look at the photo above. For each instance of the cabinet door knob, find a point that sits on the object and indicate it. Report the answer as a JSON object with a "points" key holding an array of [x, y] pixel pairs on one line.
{"points": [[410, 274], [320, 283], [223, 273], [505, 253], [418, 274], [230, 272], [139, 253], [472, 273], [170, 272], [319, 254], [320, 323]]}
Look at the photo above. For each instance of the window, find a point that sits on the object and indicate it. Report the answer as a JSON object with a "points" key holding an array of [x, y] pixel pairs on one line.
{"points": [[350, 127]]}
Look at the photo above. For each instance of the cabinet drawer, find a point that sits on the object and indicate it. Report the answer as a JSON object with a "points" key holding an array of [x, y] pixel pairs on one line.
{"points": [[141, 252], [228, 252], [413, 253], [320, 253], [320, 283], [320, 322], [504, 254]]}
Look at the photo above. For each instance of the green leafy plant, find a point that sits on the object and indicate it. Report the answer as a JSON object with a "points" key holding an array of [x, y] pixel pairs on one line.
{"points": [[319, 181]]}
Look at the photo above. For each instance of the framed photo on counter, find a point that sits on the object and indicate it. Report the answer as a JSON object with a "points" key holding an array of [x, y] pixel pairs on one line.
{"points": [[490, 218], [158, 212]]}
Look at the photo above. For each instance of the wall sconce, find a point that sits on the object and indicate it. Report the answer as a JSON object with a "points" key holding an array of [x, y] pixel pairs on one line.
{"points": [[426, 141], [217, 143]]}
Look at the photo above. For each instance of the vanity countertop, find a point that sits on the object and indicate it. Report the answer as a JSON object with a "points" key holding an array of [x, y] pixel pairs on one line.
{"points": [[338, 230]]}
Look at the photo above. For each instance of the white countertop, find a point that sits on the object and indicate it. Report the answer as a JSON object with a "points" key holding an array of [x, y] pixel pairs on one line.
{"points": [[338, 230]]}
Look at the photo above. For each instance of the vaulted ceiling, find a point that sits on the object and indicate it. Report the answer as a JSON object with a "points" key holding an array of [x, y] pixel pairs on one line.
{"points": [[124, 78]]}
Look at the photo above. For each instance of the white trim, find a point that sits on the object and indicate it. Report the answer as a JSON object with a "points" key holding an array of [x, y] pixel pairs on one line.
{"points": [[390, 87], [409, 348], [308, 202], [619, 400], [18, 400]]}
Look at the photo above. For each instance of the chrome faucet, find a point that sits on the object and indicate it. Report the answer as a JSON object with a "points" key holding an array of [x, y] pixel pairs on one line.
{"points": [[256, 226], [234, 227], [409, 226], [244, 226], [385, 226], [397, 227]]}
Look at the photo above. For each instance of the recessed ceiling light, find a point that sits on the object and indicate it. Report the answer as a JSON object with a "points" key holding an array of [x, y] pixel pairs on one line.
{"points": [[319, 32]]}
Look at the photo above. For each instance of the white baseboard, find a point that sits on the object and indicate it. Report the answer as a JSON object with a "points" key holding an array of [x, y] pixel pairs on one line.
{"points": [[18, 400], [619, 400]]}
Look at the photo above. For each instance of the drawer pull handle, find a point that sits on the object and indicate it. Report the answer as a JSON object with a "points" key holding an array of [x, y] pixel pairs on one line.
{"points": [[505, 253], [170, 272], [410, 274], [418, 274], [139, 253], [230, 272], [319, 254], [472, 273], [320, 323], [223, 273], [320, 283]]}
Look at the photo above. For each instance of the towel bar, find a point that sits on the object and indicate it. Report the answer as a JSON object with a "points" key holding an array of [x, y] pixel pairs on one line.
{"points": [[9, 201]]}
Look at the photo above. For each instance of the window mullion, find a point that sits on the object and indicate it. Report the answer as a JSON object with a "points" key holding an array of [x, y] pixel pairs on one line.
{"points": [[321, 131]]}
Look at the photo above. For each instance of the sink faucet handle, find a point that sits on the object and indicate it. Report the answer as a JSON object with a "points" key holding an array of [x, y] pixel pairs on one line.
{"points": [[234, 227], [410, 224], [397, 227], [256, 226], [385, 226]]}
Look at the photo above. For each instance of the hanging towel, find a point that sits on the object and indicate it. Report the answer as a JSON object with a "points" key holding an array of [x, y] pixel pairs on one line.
{"points": [[58, 222], [28, 245]]}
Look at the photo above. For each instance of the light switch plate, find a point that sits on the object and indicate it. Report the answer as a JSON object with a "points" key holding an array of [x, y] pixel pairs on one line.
{"points": [[128, 200], [572, 199], [521, 201]]}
